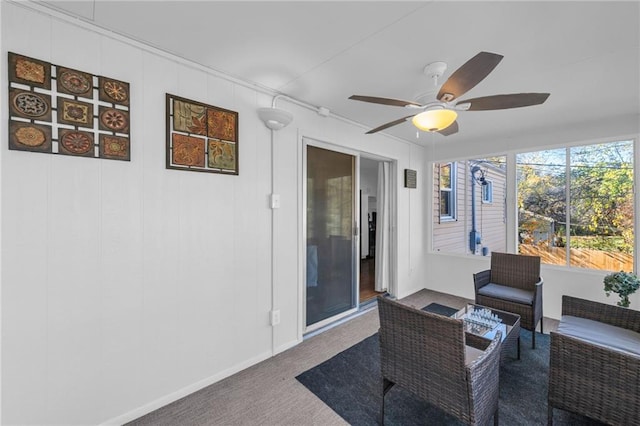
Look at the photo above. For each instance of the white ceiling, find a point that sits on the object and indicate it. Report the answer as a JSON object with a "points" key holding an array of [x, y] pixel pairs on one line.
{"points": [[586, 54]]}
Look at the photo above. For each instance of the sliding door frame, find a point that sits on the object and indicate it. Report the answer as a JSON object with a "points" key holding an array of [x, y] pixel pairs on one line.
{"points": [[306, 142], [302, 228]]}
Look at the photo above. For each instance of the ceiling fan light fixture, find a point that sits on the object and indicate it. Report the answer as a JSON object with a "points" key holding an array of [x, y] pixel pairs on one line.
{"points": [[434, 120]]}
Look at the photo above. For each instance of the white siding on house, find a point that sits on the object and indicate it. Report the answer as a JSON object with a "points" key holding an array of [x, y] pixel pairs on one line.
{"points": [[453, 236]]}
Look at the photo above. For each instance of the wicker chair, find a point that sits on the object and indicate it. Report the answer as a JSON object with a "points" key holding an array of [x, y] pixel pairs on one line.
{"points": [[513, 284], [593, 379], [424, 353]]}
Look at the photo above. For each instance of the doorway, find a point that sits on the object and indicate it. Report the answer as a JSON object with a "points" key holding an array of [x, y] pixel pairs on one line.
{"points": [[348, 197], [369, 169]]}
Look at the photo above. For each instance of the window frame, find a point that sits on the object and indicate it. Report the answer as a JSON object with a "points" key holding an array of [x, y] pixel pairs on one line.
{"points": [[451, 192], [568, 165], [487, 192]]}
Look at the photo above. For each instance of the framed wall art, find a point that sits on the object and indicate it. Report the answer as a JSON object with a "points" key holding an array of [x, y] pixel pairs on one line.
{"points": [[201, 137], [410, 178], [58, 110]]}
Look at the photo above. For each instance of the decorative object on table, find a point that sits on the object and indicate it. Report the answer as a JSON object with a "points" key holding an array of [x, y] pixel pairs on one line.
{"points": [[623, 284], [201, 137], [52, 109], [483, 317]]}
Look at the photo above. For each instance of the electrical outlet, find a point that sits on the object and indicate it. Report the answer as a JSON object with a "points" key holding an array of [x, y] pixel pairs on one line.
{"points": [[275, 317]]}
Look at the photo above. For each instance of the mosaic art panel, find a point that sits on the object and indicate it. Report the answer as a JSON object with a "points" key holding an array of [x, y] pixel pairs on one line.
{"points": [[31, 105], [32, 72], [201, 137], [29, 137], [75, 113], [114, 147], [75, 142], [222, 155], [113, 119], [59, 110], [188, 150], [74, 82], [114, 91]]}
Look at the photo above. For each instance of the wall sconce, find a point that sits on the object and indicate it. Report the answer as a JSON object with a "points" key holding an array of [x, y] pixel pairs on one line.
{"points": [[481, 179], [275, 118]]}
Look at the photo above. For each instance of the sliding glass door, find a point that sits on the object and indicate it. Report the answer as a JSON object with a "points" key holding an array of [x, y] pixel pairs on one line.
{"points": [[331, 240]]}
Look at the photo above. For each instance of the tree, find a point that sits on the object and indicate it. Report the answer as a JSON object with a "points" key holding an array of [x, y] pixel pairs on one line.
{"points": [[601, 188], [541, 184]]}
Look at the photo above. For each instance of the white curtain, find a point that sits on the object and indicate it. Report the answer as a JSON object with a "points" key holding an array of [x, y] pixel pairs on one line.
{"points": [[382, 229]]}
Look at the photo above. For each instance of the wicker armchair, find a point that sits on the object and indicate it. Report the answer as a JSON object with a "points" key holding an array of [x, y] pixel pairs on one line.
{"points": [[513, 284], [424, 353], [594, 379]]}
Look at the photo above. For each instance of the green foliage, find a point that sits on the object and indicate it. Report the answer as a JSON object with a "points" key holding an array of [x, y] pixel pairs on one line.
{"points": [[600, 183], [602, 243], [623, 284]]}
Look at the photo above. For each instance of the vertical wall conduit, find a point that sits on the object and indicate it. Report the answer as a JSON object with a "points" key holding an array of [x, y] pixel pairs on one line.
{"points": [[276, 119]]}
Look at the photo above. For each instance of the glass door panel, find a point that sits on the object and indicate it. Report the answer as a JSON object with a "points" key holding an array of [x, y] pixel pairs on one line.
{"points": [[330, 234]]}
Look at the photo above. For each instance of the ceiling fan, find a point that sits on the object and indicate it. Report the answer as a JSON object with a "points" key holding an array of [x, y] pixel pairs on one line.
{"points": [[440, 115]]}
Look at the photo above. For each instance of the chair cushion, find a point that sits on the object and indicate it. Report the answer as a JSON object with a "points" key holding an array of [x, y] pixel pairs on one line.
{"points": [[601, 334], [504, 292]]}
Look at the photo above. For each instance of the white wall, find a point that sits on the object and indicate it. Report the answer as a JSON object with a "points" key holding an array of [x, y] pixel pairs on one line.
{"points": [[126, 285], [453, 274]]}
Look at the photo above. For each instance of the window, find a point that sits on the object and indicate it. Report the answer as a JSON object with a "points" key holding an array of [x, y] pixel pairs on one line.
{"points": [[447, 191], [487, 191], [469, 207], [576, 205]]}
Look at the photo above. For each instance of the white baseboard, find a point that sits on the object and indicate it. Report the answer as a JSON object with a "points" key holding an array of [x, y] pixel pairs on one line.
{"points": [[286, 346], [174, 396]]}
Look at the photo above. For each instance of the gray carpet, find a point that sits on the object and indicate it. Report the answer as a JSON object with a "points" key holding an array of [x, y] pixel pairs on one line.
{"points": [[350, 383]]}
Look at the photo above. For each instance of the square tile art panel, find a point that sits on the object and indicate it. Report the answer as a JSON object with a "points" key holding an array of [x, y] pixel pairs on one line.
{"points": [[201, 137], [60, 110]]}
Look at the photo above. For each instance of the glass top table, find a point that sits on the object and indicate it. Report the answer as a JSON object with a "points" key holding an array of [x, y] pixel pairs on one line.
{"points": [[481, 322]]}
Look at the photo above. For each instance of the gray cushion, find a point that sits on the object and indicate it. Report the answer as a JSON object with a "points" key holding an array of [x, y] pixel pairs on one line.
{"points": [[504, 292], [601, 334]]}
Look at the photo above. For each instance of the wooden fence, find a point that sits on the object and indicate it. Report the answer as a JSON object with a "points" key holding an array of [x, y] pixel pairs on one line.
{"points": [[582, 258]]}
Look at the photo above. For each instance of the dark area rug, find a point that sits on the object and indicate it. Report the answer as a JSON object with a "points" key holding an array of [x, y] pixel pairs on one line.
{"points": [[350, 383], [439, 309]]}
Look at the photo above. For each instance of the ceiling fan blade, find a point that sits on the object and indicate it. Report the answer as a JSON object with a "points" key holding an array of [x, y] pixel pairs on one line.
{"points": [[383, 101], [390, 124], [451, 129], [514, 100], [468, 75]]}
